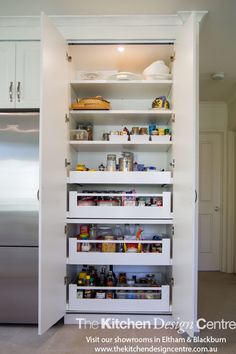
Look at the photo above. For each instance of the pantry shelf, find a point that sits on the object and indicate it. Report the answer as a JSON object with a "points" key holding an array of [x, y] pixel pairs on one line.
{"points": [[122, 221], [108, 146], [124, 117], [119, 177], [126, 89]]}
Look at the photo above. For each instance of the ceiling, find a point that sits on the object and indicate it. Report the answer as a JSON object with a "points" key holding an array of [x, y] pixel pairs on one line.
{"points": [[217, 37]]}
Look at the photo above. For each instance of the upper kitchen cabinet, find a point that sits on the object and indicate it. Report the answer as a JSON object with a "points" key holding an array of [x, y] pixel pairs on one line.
{"points": [[19, 74]]}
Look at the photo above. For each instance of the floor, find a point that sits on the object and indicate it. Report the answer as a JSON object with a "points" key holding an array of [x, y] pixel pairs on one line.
{"points": [[217, 296]]}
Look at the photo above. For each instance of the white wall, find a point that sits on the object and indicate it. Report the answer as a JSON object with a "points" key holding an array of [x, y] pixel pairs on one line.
{"points": [[213, 116]]}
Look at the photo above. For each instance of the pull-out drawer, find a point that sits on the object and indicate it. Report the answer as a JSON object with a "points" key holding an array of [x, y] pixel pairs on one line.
{"points": [[117, 258], [121, 305], [120, 212], [118, 177]]}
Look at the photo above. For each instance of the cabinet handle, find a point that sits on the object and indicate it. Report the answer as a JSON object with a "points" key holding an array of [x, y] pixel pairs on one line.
{"points": [[11, 91], [18, 91]]}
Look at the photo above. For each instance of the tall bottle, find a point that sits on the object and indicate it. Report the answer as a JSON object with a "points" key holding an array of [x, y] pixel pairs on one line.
{"points": [[102, 277]]}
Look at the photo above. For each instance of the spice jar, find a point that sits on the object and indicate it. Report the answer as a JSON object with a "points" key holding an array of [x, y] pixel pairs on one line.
{"points": [[143, 131], [135, 131], [111, 162]]}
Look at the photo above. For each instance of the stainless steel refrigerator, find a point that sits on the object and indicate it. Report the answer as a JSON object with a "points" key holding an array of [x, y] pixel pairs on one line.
{"points": [[19, 180]]}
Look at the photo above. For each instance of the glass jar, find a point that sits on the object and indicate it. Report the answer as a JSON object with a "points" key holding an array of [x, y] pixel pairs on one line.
{"points": [[104, 231], [111, 162]]}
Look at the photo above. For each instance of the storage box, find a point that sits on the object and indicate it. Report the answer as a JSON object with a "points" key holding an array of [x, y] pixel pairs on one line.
{"points": [[139, 138], [161, 138], [118, 138]]}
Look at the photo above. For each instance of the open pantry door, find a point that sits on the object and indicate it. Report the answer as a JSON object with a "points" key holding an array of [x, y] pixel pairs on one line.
{"points": [[52, 196], [185, 154]]}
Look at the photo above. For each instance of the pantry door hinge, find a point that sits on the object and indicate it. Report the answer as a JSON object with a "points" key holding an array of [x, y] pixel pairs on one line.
{"points": [[67, 118], [172, 282], [172, 230], [172, 163], [65, 229], [67, 163], [68, 57], [173, 118], [172, 58], [66, 280]]}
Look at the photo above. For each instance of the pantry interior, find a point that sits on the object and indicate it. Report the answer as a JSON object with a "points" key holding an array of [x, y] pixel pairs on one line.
{"points": [[130, 107], [149, 275]]}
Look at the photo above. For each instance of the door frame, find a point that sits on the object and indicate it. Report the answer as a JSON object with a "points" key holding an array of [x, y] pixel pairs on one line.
{"points": [[228, 199]]}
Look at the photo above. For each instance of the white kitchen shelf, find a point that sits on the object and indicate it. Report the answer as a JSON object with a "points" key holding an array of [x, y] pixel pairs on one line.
{"points": [[123, 305], [123, 117], [108, 146], [126, 89], [119, 177], [168, 221], [120, 212], [127, 258]]}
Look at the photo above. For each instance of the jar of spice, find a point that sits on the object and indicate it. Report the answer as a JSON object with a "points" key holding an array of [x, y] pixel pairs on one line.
{"points": [[111, 162]]}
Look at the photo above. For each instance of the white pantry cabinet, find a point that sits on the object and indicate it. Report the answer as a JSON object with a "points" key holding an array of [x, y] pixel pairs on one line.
{"points": [[58, 86], [20, 74]]}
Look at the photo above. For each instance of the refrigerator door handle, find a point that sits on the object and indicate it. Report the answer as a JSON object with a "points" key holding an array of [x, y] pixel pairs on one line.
{"points": [[11, 91], [18, 91]]}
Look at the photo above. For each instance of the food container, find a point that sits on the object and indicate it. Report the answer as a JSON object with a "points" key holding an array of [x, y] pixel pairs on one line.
{"points": [[126, 162], [108, 247], [143, 131], [85, 247], [80, 134], [80, 294], [135, 131], [104, 231], [111, 162], [105, 136], [100, 294], [130, 282]]}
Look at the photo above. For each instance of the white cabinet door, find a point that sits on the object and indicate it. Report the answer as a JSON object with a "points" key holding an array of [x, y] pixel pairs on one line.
{"points": [[185, 153], [7, 74], [27, 86], [52, 215]]}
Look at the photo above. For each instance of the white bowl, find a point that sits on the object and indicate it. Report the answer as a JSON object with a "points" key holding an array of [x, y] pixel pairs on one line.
{"points": [[158, 67]]}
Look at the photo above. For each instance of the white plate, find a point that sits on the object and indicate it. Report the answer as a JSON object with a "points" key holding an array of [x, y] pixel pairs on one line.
{"points": [[123, 75]]}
